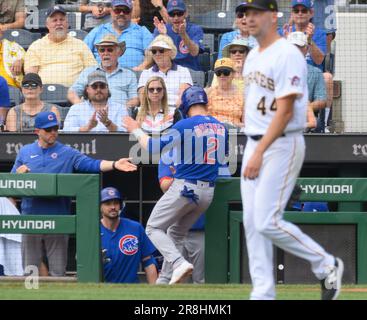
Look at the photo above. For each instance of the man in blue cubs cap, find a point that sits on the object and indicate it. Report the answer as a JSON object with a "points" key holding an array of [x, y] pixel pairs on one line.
{"points": [[124, 243], [196, 172], [47, 155]]}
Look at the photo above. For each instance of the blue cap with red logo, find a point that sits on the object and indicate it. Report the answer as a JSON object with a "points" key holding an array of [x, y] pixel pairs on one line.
{"points": [[46, 120], [126, 3], [306, 3], [110, 193], [176, 5]]}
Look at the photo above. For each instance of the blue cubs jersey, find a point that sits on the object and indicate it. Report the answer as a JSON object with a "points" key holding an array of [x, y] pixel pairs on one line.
{"points": [[183, 57], [125, 249], [57, 159], [199, 146]]}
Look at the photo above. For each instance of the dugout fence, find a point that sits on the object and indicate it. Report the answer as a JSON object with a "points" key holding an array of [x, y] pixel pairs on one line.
{"points": [[85, 224], [343, 232]]}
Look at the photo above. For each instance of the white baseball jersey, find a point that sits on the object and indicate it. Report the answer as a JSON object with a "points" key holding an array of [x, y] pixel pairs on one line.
{"points": [[276, 72]]}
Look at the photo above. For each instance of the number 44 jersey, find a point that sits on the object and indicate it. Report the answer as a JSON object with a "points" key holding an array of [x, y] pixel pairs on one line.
{"points": [[276, 72]]}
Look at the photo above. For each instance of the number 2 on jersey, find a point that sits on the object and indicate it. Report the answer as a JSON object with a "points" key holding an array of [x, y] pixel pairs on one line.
{"points": [[212, 147], [261, 106]]}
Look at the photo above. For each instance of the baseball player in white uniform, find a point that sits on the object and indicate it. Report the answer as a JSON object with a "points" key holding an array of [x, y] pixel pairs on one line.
{"points": [[276, 102]]}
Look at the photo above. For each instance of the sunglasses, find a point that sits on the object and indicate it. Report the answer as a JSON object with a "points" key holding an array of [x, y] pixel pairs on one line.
{"points": [[102, 50], [176, 13], [304, 10], [95, 86], [124, 10], [226, 73], [155, 51], [240, 15], [155, 90], [234, 51], [30, 85], [56, 128]]}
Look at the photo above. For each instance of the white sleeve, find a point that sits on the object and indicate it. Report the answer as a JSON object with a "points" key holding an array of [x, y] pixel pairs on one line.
{"points": [[71, 123], [185, 76], [143, 78], [290, 74]]}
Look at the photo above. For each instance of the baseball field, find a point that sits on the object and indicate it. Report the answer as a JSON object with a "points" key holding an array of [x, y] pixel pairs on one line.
{"points": [[73, 291]]}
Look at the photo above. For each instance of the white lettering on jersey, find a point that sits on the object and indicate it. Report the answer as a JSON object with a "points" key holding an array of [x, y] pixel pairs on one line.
{"points": [[278, 71]]}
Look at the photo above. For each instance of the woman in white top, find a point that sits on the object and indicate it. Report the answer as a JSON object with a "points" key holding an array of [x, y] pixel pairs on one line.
{"points": [[154, 115], [160, 55]]}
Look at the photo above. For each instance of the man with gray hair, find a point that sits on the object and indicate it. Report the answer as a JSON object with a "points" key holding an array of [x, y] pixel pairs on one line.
{"points": [[58, 58], [96, 112], [121, 81]]}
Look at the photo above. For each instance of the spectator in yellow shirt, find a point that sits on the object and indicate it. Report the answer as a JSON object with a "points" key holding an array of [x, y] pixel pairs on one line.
{"points": [[58, 57], [11, 61]]}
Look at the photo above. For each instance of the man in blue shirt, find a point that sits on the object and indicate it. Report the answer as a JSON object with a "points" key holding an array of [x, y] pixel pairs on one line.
{"points": [[187, 37], [47, 155], [302, 13], [121, 81], [124, 243], [199, 145], [137, 38]]}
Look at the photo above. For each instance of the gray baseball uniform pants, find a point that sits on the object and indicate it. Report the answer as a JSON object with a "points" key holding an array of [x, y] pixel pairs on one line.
{"points": [[193, 252], [56, 246], [174, 215]]}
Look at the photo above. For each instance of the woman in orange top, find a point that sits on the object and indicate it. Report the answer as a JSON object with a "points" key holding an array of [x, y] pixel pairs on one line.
{"points": [[226, 102]]}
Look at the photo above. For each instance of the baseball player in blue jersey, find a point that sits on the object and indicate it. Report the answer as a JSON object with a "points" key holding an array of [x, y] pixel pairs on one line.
{"points": [[199, 143], [124, 243], [47, 155]]}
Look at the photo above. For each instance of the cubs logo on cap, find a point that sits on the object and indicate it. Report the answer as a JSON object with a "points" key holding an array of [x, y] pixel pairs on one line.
{"points": [[111, 192], [129, 245], [50, 117]]}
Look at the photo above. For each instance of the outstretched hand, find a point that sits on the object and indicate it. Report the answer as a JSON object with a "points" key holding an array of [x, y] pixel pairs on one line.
{"points": [[130, 124], [125, 165], [160, 25]]}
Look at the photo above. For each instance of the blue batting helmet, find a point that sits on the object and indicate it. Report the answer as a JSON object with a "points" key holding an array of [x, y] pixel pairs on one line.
{"points": [[192, 95]]}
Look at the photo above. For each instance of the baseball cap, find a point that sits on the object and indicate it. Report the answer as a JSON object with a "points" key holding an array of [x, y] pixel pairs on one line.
{"points": [[111, 40], [97, 76], [110, 193], [159, 44], [46, 119], [264, 5], [126, 3], [32, 78], [176, 5], [236, 42], [53, 10], [306, 3], [224, 63], [298, 38]]}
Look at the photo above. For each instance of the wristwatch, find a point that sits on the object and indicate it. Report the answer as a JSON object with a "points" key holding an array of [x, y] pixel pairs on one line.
{"points": [[108, 123], [159, 8]]}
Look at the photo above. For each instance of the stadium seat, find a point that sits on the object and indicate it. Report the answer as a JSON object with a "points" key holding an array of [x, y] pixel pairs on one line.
{"points": [[204, 60], [198, 77], [208, 42], [215, 21], [210, 77], [79, 34], [15, 95], [55, 94], [23, 37], [63, 113]]}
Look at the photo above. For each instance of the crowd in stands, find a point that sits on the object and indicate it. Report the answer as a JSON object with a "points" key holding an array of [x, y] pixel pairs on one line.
{"points": [[133, 41], [137, 58]]}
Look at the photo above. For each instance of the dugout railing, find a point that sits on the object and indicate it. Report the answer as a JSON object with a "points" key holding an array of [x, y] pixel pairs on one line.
{"points": [[224, 236], [84, 224]]}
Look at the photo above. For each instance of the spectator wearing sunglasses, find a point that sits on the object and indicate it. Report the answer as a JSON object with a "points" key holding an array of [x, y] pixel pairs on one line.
{"points": [[96, 113], [237, 50], [160, 62], [302, 13], [240, 32], [121, 81], [187, 37], [154, 115], [21, 118], [137, 38], [226, 102]]}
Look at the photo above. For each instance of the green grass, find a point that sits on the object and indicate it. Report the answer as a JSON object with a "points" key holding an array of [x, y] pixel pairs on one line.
{"points": [[72, 291]]}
